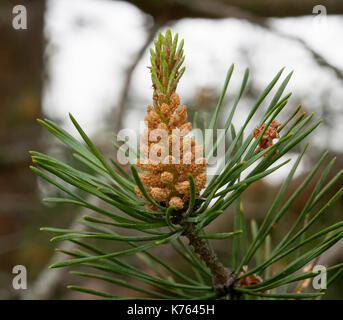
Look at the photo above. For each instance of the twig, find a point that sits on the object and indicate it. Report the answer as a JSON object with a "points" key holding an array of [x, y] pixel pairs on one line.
{"points": [[303, 284], [333, 255], [315, 55], [218, 9], [129, 72], [222, 278]]}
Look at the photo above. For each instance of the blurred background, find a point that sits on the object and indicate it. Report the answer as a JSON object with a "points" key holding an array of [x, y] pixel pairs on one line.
{"points": [[89, 57]]}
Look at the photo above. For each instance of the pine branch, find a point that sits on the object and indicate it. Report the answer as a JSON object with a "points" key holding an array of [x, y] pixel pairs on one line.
{"points": [[167, 200]]}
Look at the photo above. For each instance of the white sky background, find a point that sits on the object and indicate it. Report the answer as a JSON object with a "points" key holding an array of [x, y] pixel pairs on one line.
{"points": [[91, 42]]}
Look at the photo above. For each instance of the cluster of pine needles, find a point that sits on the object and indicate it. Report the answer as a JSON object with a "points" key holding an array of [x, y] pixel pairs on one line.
{"points": [[124, 217]]}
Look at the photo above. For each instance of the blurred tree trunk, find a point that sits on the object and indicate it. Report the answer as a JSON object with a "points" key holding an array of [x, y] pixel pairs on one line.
{"points": [[21, 65]]}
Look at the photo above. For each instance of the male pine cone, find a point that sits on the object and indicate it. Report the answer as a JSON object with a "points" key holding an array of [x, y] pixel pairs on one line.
{"points": [[166, 181], [169, 153]]}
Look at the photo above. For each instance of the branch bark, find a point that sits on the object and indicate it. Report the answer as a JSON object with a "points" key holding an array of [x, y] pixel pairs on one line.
{"points": [[222, 278]]}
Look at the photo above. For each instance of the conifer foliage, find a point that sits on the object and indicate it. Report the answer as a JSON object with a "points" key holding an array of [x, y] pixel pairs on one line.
{"points": [[165, 203]]}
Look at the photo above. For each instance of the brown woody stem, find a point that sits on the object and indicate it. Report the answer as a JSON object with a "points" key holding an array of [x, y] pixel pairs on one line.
{"points": [[222, 278]]}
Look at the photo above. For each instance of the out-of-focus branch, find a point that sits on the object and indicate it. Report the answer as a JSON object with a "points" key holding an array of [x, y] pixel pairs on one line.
{"points": [[218, 9], [333, 255], [320, 60], [128, 77], [178, 9], [49, 280]]}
